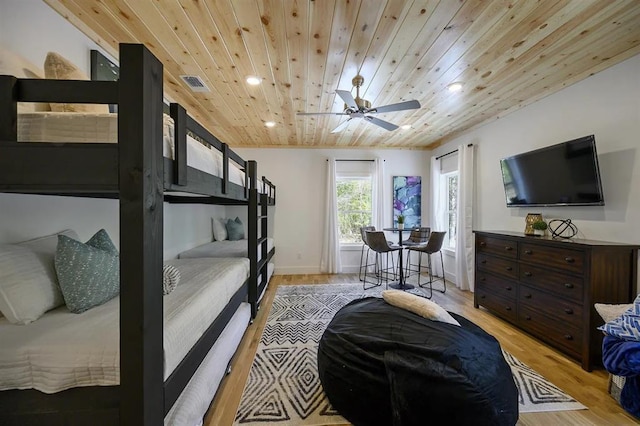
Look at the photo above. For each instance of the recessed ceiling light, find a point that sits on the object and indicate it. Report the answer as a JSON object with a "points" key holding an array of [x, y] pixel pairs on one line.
{"points": [[406, 127], [455, 87], [270, 124], [253, 80]]}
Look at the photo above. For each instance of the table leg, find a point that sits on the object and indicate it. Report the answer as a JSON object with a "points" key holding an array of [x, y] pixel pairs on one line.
{"points": [[401, 285]]}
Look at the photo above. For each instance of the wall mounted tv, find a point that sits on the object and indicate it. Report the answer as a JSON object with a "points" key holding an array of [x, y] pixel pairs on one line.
{"points": [[565, 174]]}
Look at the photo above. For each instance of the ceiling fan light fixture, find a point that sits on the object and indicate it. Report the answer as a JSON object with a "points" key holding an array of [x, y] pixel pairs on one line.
{"points": [[252, 80], [455, 87], [270, 123]]}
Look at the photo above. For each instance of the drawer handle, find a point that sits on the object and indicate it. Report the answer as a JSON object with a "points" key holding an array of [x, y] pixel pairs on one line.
{"points": [[482, 297], [528, 252], [568, 337], [482, 243], [568, 311], [483, 279], [508, 288], [527, 296], [508, 248], [568, 285], [527, 274], [569, 259], [483, 261], [527, 317], [508, 308], [509, 268]]}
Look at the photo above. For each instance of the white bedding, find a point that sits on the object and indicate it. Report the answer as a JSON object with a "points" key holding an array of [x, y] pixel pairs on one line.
{"points": [[62, 350], [224, 248], [93, 127], [194, 401]]}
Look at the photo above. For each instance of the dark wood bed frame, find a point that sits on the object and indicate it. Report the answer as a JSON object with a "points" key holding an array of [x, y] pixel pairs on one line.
{"points": [[134, 171]]}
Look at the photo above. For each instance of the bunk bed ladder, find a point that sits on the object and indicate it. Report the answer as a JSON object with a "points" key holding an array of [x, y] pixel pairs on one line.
{"points": [[252, 168]]}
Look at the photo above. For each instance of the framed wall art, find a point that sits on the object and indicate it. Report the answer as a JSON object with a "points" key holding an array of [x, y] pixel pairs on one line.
{"points": [[407, 200]]}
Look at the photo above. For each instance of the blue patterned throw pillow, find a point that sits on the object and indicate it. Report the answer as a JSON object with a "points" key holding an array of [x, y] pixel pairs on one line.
{"points": [[235, 229], [626, 326], [88, 273]]}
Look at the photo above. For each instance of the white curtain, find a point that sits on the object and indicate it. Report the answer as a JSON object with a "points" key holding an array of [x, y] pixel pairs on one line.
{"points": [[330, 261], [438, 206], [378, 194], [464, 225]]}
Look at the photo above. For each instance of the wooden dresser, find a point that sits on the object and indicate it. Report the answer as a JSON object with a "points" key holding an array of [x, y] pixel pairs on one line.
{"points": [[547, 286]]}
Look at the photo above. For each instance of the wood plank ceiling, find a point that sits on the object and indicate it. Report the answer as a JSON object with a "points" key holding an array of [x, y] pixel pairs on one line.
{"points": [[506, 54]]}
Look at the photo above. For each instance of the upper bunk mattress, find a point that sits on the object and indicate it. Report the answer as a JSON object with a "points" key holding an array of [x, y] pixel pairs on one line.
{"points": [[80, 127], [62, 350], [225, 248]]}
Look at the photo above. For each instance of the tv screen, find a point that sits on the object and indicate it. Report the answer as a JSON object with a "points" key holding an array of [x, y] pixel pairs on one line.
{"points": [[565, 174]]}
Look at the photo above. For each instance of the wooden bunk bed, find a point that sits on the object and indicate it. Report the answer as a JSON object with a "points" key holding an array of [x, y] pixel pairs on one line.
{"points": [[258, 247], [134, 171]]}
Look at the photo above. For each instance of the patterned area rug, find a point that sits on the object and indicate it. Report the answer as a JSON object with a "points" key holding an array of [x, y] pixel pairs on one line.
{"points": [[283, 387]]}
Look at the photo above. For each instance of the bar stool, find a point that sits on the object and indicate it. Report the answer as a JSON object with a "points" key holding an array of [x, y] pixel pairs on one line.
{"points": [[363, 234], [417, 237], [379, 244], [434, 245]]}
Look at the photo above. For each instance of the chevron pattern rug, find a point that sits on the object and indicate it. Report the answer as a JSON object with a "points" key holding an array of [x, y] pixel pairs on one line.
{"points": [[283, 387]]}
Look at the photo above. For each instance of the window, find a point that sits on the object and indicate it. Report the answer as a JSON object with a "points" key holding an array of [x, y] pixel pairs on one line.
{"points": [[354, 195], [451, 192], [448, 202]]}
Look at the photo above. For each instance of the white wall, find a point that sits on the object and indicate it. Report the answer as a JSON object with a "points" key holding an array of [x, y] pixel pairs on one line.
{"points": [[30, 28], [606, 105], [300, 179]]}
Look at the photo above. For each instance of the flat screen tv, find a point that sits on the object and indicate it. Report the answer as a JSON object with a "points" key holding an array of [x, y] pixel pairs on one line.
{"points": [[565, 174]]}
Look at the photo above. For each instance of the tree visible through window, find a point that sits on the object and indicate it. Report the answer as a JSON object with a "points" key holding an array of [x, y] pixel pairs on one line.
{"points": [[451, 181], [354, 207]]}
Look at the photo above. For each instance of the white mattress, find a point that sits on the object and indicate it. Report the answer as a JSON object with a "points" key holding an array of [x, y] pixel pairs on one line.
{"points": [[195, 399], [62, 350], [224, 248], [94, 127]]}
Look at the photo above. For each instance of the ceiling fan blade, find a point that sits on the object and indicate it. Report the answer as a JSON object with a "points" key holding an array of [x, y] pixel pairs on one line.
{"points": [[341, 126], [321, 113], [347, 97], [401, 106], [381, 123]]}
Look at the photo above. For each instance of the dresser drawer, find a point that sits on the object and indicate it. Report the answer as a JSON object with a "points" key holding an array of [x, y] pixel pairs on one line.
{"points": [[500, 306], [567, 286], [550, 305], [555, 257], [498, 265], [496, 285], [497, 246], [558, 333]]}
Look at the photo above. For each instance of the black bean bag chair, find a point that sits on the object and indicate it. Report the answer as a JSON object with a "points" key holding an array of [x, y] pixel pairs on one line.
{"points": [[382, 365]]}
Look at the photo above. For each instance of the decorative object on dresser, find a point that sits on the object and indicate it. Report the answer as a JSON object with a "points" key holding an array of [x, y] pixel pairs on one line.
{"points": [[529, 221], [539, 227], [548, 287]]}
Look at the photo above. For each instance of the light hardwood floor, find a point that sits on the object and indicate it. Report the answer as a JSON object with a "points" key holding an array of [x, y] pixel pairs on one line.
{"points": [[588, 388]]}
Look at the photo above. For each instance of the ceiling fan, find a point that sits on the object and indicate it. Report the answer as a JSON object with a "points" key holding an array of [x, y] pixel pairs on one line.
{"points": [[361, 108]]}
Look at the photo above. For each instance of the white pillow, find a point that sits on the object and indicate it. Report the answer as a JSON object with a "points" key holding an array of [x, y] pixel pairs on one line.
{"points": [[28, 280], [170, 278], [219, 226], [17, 66], [418, 305], [611, 312]]}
